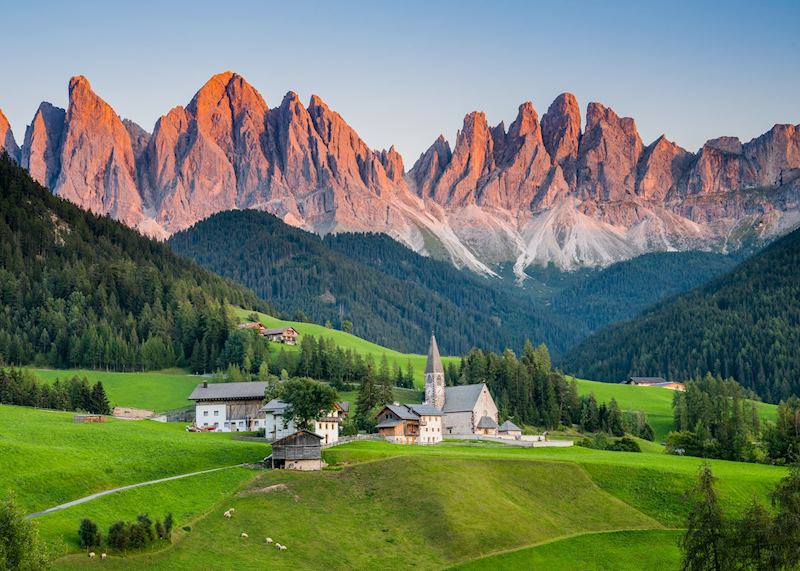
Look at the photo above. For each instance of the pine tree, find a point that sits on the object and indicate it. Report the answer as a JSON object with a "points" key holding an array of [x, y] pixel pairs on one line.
{"points": [[704, 542]]}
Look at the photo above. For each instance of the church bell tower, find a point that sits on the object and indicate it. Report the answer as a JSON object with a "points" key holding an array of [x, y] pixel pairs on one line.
{"points": [[434, 377]]}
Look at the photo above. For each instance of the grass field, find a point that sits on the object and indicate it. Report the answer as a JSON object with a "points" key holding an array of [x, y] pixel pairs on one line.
{"points": [[651, 550], [398, 513], [347, 341], [655, 401], [47, 459], [152, 390]]}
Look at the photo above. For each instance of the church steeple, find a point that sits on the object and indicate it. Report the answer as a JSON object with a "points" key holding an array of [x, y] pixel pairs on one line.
{"points": [[434, 376]]}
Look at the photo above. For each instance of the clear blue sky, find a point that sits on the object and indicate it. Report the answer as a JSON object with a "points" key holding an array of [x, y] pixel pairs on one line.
{"points": [[403, 72]]}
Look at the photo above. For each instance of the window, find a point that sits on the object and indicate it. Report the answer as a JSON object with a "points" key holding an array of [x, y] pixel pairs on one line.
{"points": [[216, 413], [205, 413]]}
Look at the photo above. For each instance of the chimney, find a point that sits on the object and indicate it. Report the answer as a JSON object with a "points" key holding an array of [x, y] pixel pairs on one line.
{"points": [[205, 384]]}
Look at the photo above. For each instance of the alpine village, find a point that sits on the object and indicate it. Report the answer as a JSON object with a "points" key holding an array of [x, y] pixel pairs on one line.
{"points": [[245, 330]]}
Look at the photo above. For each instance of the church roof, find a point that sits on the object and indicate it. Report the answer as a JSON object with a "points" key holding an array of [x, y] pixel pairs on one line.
{"points": [[425, 409], [487, 422], [461, 398], [434, 364], [508, 426]]}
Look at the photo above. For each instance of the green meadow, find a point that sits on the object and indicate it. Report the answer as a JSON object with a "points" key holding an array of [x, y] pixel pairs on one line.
{"points": [[151, 390], [47, 459]]}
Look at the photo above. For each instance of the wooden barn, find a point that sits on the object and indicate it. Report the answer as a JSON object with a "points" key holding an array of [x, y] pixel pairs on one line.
{"points": [[299, 451]]}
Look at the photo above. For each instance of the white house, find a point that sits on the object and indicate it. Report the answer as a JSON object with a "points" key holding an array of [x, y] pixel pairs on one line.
{"points": [[410, 423], [277, 426], [229, 407]]}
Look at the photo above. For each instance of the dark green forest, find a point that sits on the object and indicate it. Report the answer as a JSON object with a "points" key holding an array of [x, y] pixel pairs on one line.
{"points": [[745, 325], [395, 298], [81, 290]]}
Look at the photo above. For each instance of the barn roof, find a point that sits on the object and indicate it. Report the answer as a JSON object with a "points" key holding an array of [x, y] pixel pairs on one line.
{"points": [[461, 398], [229, 391], [508, 426], [293, 436], [434, 363], [275, 406], [388, 424], [487, 422], [277, 330]]}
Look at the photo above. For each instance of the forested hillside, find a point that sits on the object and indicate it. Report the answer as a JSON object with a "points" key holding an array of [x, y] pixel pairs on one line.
{"points": [[395, 299], [744, 325], [80, 290]]}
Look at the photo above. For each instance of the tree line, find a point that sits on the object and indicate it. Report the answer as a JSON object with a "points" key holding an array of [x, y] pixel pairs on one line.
{"points": [[81, 290], [22, 388]]}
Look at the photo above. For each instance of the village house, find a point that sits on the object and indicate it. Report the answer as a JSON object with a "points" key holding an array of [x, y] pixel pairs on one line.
{"points": [[277, 426], [410, 423], [509, 430], [654, 382], [285, 335], [229, 407], [300, 450]]}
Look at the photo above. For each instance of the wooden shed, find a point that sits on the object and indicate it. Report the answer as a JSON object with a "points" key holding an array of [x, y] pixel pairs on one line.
{"points": [[299, 451]]}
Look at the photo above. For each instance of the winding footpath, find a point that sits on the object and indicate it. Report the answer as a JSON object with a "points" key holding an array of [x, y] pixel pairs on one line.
{"points": [[123, 488]]}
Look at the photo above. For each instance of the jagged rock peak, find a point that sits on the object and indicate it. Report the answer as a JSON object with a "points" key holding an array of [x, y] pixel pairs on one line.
{"points": [[392, 163], [561, 133], [526, 123], [7, 141]]}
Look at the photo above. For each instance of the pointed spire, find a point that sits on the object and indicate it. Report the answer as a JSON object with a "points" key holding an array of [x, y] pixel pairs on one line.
{"points": [[434, 364]]}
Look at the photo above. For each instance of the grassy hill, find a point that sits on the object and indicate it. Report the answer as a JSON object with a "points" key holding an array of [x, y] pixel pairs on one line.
{"points": [[744, 325], [434, 507], [48, 459]]}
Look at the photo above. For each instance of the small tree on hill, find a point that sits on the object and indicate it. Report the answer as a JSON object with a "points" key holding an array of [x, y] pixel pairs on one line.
{"points": [[99, 400], [88, 534], [20, 546], [703, 544]]}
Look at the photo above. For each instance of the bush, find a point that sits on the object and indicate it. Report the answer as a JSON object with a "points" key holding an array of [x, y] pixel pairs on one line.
{"points": [[119, 536], [349, 427], [20, 547], [625, 444], [88, 535]]}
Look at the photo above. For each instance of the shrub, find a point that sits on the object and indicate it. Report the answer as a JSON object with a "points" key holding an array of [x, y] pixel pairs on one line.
{"points": [[88, 535], [625, 444], [20, 547], [119, 536], [169, 523]]}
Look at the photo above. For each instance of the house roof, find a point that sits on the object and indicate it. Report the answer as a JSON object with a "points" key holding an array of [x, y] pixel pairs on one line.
{"points": [[487, 422], [275, 406], [388, 424], [403, 412], [508, 426], [344, 405], [277, 330], [229, 391], [294, 435], [425, 409], [434, 363], [647, 380], [461, 398]]}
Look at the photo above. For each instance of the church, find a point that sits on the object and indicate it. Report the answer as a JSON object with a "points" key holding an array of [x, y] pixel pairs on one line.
{"points": [[466, 409]]}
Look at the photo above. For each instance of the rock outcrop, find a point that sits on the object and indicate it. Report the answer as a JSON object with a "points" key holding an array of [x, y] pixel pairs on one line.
{"points": [[7, 141], [537, 192]]}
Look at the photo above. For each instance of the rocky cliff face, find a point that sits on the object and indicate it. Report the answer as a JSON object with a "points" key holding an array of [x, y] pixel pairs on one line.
{"points": [[540, 191]]}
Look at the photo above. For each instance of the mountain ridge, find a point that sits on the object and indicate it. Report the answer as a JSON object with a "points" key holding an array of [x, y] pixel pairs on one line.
{"points": [[542, 191]]}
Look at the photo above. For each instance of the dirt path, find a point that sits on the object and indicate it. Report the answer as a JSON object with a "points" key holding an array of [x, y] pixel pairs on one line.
{"points": [[122, 489]]}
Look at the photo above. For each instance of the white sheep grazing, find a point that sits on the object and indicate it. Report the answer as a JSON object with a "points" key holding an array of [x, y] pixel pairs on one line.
{"points": [[91, 555], [102, 556], [227, 514], [268, 540], [277, 546], [245, 535], [231, 510], [283, 548]]}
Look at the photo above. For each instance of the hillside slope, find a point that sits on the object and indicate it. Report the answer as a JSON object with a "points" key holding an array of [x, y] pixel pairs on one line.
{"points": [[745, 324], [395, 301], [77, 289]]}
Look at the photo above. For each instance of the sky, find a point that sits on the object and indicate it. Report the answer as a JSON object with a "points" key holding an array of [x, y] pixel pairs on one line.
{"points": [[403, 72]]}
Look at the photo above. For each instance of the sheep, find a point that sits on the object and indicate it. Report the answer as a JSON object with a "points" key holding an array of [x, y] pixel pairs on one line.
{"points": [[283, 548], [227, 514], [231, 510], [91, 555], [103, 556], [277, 546], [268, 540], [244, 535]]}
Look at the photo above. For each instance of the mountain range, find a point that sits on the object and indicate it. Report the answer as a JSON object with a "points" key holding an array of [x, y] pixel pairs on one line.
{"points": [[540, 191]]}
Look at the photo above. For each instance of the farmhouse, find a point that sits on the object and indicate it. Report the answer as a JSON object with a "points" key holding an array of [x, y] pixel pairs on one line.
{"points": [[286, 335], [410, 423], [300, 450], [229, 407], [654, 382], [277, 426]]}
